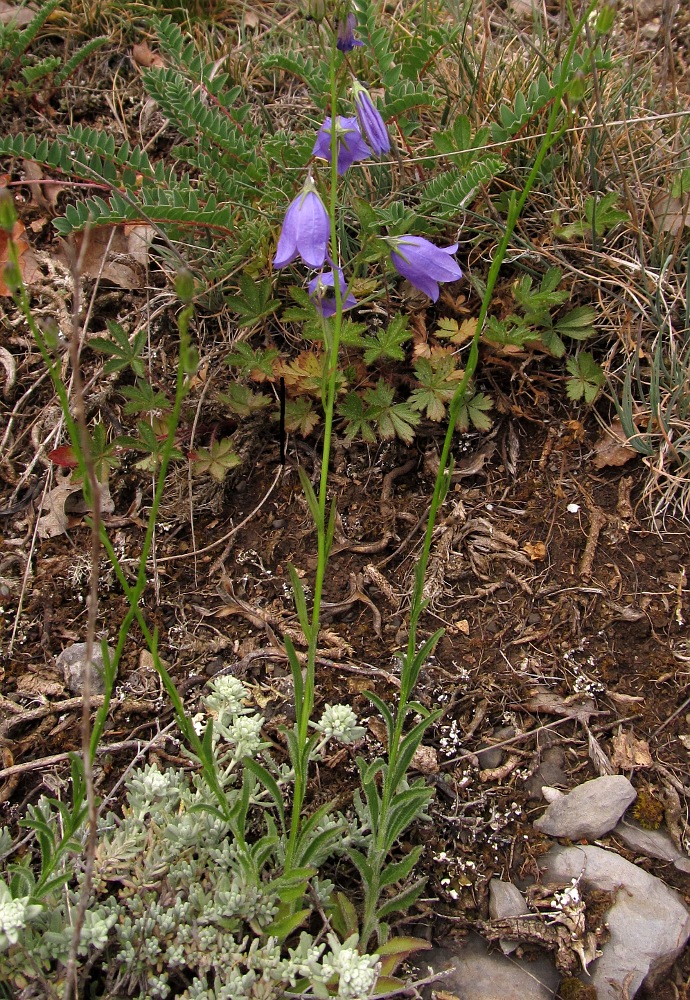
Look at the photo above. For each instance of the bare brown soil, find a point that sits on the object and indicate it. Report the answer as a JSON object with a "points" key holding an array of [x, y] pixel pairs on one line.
{"points": [[564, 630]]}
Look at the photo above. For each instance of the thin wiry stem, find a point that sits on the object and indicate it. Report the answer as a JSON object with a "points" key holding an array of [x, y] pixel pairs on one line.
{"points": [[92, 606]]}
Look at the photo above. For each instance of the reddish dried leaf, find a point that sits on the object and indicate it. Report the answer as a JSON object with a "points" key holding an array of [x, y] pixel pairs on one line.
{"points": [[145, 57], [28, 265], [64, 457], [629, 752], [112, 254], [44, 192], [535, 550], [669, 214], [611, 448]]}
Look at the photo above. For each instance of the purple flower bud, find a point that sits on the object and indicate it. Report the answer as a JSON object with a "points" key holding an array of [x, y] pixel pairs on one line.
{"points": [[370, 120], [306, 230], [423, 264], [325, 302], [351, 145], [346, 34]]}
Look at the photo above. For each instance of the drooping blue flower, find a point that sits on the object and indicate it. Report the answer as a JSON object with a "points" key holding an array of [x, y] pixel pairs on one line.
{"points": [[351, 145], [370, 121], [323, 299], [346, 41], [306, 229], [423, 263]]}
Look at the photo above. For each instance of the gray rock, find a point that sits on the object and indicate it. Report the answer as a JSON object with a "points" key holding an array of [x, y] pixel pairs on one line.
{"points": [[506, 900], [653, 843], [549, 772], [590, 810], [72, 662], [491, 756], [480, 974], [648, 923]]}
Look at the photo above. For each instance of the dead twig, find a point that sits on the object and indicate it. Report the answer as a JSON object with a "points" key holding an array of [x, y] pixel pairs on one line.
{"points": [[597, 520], [59, 758], [53, 708]]}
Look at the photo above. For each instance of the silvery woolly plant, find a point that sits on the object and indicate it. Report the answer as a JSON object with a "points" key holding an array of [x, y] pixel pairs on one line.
{"points": [[175, 907]]}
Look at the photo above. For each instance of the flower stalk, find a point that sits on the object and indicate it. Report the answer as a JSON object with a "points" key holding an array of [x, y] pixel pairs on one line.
{"points": [[324, 526]]}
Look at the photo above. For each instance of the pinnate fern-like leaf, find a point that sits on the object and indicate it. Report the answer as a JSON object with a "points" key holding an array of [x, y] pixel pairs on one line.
{"points": [[446, 194]]}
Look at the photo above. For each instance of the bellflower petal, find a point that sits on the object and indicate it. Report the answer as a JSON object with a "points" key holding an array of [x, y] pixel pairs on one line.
{"points": [[351, 145], [325, 303], [305, 232], [424, 264], [370, 121], [346, 34]]}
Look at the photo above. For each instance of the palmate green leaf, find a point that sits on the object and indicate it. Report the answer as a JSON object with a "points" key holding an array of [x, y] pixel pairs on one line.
{"points": [[388, 341], [577, 324], [308, 373], [305, 309], [256, 364], [552, 342], [603, 214], [300, 416], [392, 419], [351, 333], [103, 453], [241, 400], [358, 418], [474, 411], [538, 303], [123, 352], [144, 398], [438, 377], [254, 302], [216, 460], [511, 331], [600, 215], [459, 144], [586, 377]]}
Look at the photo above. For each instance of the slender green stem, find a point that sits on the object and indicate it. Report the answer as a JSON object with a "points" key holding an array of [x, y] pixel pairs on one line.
{"points": [[551, 136], [332, 348]]}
